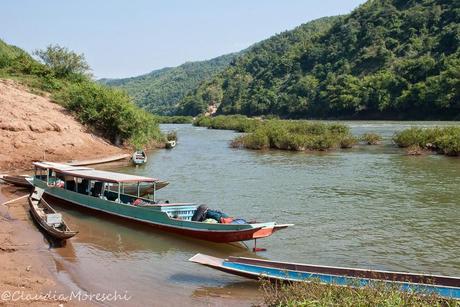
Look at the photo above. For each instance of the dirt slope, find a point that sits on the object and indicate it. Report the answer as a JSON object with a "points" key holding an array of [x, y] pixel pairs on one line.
{"points": [[34, 128]]}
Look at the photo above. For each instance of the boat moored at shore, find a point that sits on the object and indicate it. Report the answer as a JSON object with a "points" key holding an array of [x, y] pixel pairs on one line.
{"points": [[139, 157], [104, 192], [47, 218], [445, 286]]}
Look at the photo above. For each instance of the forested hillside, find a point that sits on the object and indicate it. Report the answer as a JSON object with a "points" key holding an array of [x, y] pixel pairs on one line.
{"points": [[387, 59], [160, 90]]}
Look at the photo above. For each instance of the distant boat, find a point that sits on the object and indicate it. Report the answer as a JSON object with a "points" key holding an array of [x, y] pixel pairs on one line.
{"points": [[252, 268], [47, 218], [170, 144], [83, 187], [18, 180], [139, 157]]}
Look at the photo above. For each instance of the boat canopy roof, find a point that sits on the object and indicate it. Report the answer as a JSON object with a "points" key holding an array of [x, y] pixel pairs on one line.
{"points": [[91, 173]]}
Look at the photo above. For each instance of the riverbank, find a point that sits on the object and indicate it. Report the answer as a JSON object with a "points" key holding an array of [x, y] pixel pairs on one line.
{"points": [[25, 262], [314, 293], [32, 127]]}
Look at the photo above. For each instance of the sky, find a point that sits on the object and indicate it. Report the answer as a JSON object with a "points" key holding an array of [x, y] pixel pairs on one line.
{"points": [[133, 37]]}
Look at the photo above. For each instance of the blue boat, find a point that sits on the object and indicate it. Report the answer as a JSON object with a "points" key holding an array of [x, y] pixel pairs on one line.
{"points": [[445, 286]]}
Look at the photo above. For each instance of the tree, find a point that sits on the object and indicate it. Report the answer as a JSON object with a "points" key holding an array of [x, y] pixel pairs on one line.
{"points": [[62, 61]]}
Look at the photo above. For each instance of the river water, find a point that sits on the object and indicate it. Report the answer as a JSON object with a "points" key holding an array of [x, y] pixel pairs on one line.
{"points": [[367, 207]]}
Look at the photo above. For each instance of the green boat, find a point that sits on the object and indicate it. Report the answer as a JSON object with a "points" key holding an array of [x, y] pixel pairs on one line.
{"points": [[106, 192]]}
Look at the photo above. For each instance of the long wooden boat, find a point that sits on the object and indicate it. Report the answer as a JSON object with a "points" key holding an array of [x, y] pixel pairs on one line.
{"points": [[144, 189], [83, 187], [252, 268], [19, 180], [47, 218], [100, 160]]}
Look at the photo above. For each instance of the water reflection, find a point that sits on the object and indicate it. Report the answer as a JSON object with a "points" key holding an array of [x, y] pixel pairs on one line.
{"points": [[369, 207]]}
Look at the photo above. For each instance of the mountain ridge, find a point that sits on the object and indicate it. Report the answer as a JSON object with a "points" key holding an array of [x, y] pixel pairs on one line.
{"points": [[387, 59], [160, 90]]}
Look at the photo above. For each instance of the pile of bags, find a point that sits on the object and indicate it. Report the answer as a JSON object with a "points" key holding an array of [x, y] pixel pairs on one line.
{"points": [[206, 215]]}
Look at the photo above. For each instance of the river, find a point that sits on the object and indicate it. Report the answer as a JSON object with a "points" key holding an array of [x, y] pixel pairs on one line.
{"points": [[367, 207]]}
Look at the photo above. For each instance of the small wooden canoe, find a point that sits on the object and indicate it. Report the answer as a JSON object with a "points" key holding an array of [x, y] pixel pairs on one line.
{"points": [[446, 286], [47, 218], [19, 180]]}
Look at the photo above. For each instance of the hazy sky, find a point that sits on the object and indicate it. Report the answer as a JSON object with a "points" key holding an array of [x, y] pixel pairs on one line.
{"points": [[132, 37]]}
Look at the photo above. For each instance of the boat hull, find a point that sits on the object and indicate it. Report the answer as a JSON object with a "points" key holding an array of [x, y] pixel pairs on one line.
{"points": [[219, 233], [19, 181], [255, 269], [50, 231]]}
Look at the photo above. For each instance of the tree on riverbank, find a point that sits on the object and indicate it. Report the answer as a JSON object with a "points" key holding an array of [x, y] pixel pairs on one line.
{"points": [[63, 61]]}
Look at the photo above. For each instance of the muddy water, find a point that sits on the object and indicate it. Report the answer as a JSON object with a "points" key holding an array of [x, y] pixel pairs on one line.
{"points": [[369, 207]]}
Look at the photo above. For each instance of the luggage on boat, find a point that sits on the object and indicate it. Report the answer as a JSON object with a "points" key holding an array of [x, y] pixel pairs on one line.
{"points": [[239, 221], [215, 214], [200, 213], [226, 220], [204, 214]]}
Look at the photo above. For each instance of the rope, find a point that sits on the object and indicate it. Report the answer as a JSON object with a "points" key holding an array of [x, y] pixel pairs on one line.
{"points": [[13, 200]]}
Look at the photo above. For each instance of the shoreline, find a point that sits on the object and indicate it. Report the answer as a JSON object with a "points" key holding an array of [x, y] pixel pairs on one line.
{"points": [[31, 269], [28, 269]]}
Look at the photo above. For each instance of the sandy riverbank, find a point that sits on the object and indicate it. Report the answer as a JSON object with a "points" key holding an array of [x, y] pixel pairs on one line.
{"points": [[34, 128], [26, 266]]}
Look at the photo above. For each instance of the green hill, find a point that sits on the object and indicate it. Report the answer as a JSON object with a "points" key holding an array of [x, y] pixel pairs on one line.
{"points": [[387, 59], [160, 90]]}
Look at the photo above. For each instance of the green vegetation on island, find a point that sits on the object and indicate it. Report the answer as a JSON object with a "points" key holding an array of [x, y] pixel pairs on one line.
{"points": [[387, 59], [371, 138], [65, 75], [316, 294], [445, 140], [174, 119], [239, 123], [295, 135], [160, 91]]}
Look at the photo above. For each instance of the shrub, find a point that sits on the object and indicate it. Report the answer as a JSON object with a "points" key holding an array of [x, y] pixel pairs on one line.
{"points": [[348, 141], [414, 150], [238, 123], [111, 112], [449, 144], [256, 140], [371, 138], [62, 61], [171, 136], [295, 135], [445, 140], [174, 119]]}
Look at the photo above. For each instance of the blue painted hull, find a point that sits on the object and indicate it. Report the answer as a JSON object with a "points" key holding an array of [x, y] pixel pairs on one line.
{"points": [[273, 273], [444, 286]]}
